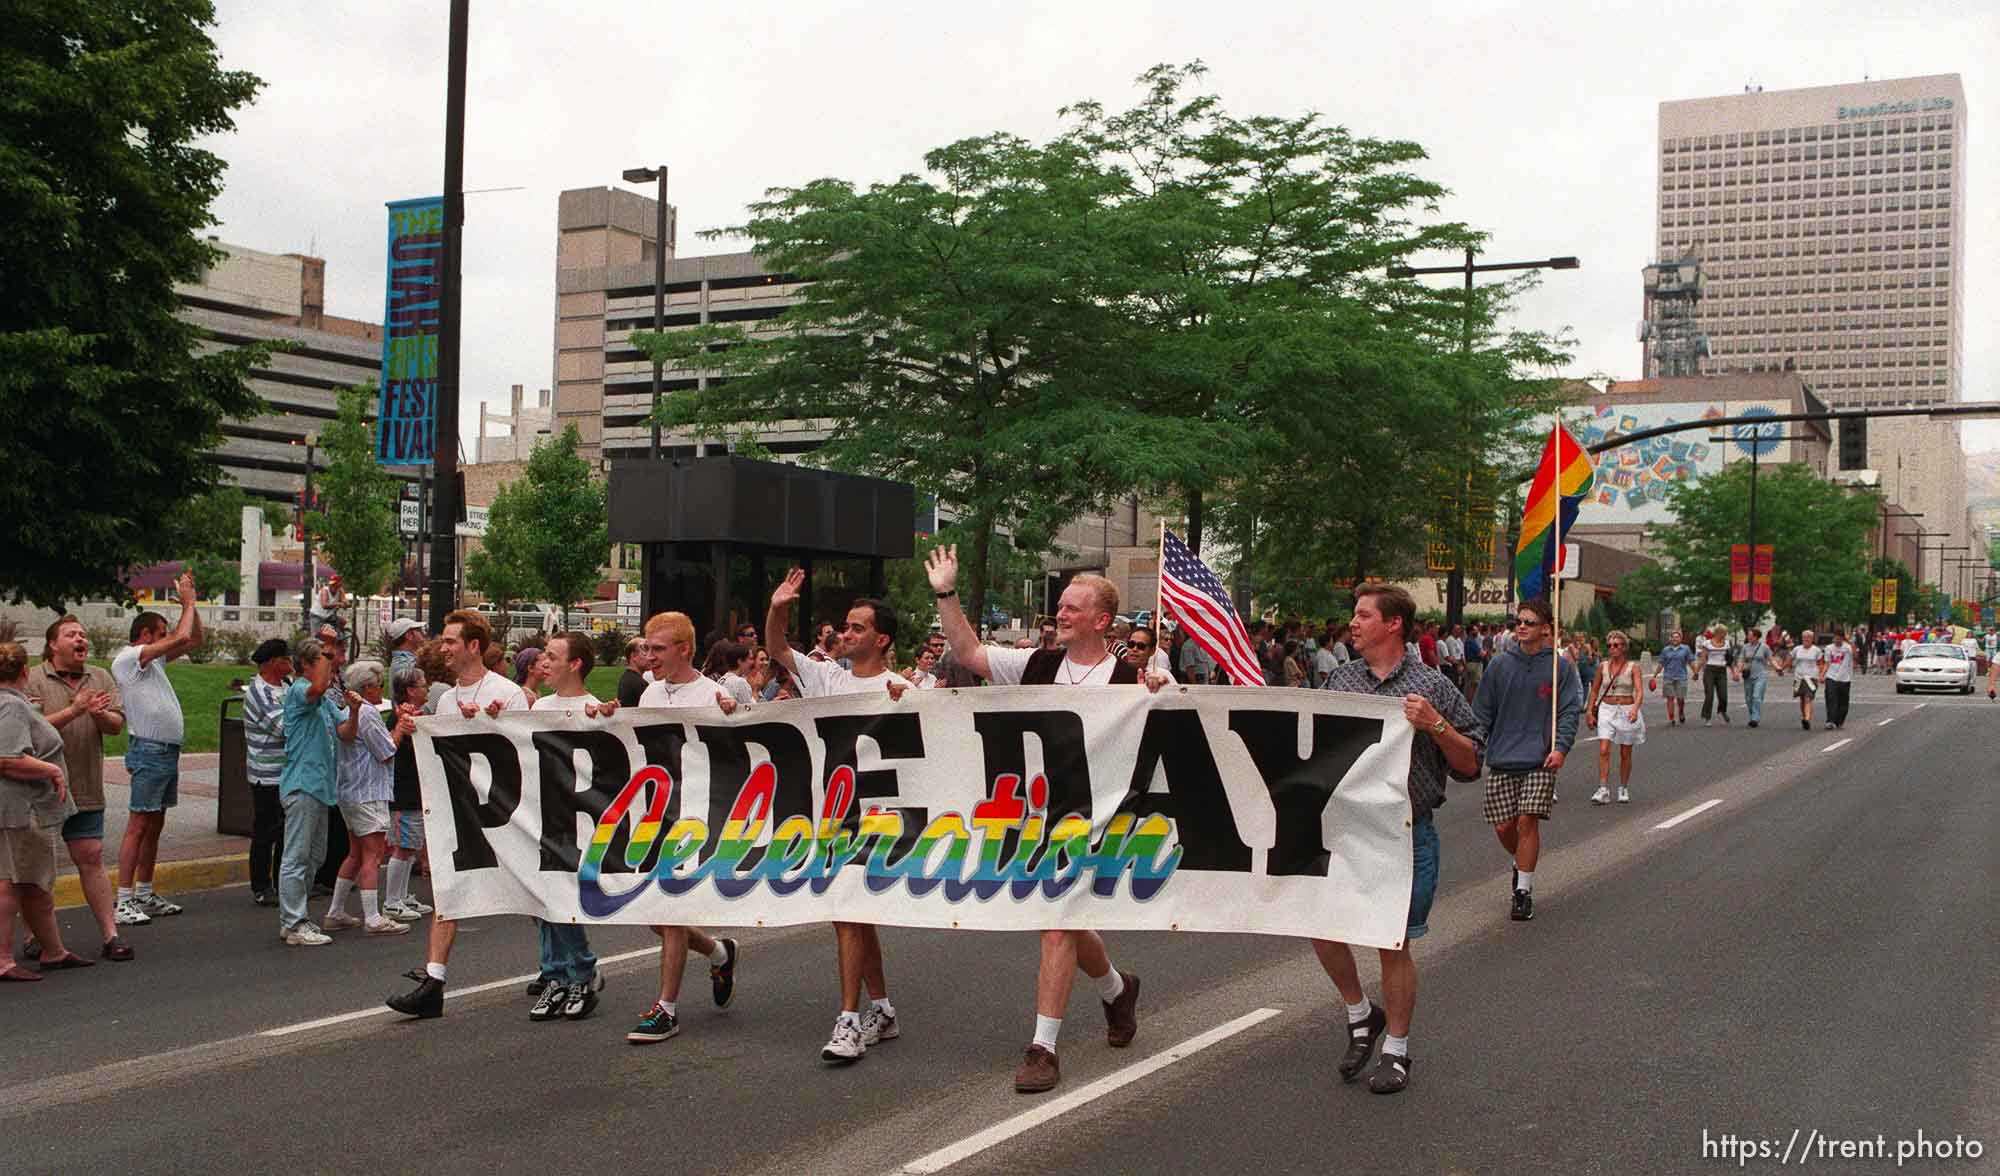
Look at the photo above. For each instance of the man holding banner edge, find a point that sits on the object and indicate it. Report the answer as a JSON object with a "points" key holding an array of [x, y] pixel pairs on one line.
{"points": [[1451, 746], [1084, 615]]}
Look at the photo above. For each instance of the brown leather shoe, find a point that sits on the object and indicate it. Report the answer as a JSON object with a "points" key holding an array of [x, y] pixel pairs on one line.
{"points": [[1121, 1016], [1039, 1071]]}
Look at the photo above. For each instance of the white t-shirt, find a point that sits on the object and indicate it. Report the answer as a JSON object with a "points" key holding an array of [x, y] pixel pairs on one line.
{"points": [[738, 688], [152, 709], [575, 701], [1806, 659], [1971, 647], [1005, 667], [1909, 643], [817, 679], [481, 694], [700, 690], [1840, 663], [1712, 654]]}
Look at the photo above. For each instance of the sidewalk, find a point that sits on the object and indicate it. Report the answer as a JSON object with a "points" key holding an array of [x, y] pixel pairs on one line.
{"points": [[193, 856]]}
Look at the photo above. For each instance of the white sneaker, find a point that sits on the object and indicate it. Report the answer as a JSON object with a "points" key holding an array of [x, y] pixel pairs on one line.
{"points": [[1624, 795], [845, 1045], [422, 908], [1601, 796], [307, 935], [878, 1026], [128, 914], [387, 926], [156, 906], [339, 920]]}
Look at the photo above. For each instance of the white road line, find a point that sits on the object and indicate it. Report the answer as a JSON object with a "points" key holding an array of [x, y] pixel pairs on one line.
{"points": [[972, 1145], [1920, 706], [1835, 746], [1887, 721], [449, 994], [1696, 811]]}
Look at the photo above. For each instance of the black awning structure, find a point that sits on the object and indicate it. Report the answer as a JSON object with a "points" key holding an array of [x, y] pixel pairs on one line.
{"points": [[696, 515]]}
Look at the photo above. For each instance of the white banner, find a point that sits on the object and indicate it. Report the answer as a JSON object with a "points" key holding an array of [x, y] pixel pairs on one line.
{"points": [[1245, 809]]}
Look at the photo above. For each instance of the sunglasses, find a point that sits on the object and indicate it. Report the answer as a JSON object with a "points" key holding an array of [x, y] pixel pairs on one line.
{"points": [[1142, 646], [1530, 622]]}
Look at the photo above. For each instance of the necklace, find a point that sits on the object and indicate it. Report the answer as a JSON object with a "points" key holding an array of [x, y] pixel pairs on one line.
{"points": [[1069, 677]]}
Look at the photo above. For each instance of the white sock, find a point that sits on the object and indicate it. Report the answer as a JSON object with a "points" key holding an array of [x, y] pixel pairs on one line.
{"points": [[143, 891], [672, 1007], [369, 910], [720, 955], [1357, 1013], [399, 880], [124, 894], [435, 972], [1046, 1029], [341, 888], [850, 1017], [1524, 879], [1110, 986], [1400, 1046]]}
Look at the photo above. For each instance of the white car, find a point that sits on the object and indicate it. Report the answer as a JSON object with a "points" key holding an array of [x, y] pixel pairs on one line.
{"points": [[1936, 667]]}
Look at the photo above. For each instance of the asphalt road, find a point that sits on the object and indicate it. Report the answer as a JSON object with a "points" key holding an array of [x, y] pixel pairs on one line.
{"points": [[1819, 952]]}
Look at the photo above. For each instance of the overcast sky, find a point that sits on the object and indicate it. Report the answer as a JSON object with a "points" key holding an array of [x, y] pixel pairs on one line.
{"points": [[1541, 119]]}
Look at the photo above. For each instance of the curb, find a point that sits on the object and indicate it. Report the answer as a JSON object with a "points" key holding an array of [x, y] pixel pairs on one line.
{"points": [[170, 877]]}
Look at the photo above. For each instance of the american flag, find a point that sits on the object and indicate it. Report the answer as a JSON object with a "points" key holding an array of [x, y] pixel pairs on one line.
{"points": [[1190, 590]]}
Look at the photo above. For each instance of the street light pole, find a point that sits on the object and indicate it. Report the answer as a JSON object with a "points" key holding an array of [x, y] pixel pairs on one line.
{"points": [[642, 175], [446, 506], [305, 539], [1454, 608]]}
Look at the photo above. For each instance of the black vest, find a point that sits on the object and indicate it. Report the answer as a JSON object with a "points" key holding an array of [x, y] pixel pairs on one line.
{"points": [[1043, 663]]}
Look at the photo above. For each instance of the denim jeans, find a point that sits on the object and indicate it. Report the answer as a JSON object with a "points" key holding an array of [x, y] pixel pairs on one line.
{"points": [[566, 954], [1753, 696], [305, 846]]}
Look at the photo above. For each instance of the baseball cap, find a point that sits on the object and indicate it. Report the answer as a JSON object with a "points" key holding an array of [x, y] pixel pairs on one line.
{"points": [[401, 628], [275, 647]]}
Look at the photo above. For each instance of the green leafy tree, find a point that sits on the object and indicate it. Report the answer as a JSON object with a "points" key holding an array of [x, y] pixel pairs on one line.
{"points": [[208, 535], [1820, 534], [548, 532], [105, 192], [358, 527]]}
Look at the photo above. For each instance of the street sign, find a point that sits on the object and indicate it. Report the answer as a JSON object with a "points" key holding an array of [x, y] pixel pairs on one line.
{"points": [[410, 510], [474, 526], [1572, 562]]}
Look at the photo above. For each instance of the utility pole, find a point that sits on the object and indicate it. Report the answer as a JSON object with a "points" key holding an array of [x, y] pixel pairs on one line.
{"points": [[444, 446], [1454, 607]]}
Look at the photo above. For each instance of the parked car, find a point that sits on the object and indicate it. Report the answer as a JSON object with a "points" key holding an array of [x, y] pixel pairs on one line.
{"points": [[1936, 667]]}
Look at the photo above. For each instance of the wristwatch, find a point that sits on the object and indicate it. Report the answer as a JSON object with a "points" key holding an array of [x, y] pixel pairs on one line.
{"points": [[1437, 728], [946, 595]]}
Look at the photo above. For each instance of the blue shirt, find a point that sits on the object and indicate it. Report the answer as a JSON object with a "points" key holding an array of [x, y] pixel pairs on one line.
{"points": [[1674, 662], [309, 741]]}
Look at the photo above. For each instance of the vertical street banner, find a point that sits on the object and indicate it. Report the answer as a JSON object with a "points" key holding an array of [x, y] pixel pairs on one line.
{"points": [[406, 415], [1760, 576], [1874, 598], [1225, 808], [1889, 595], [1739, 572]]}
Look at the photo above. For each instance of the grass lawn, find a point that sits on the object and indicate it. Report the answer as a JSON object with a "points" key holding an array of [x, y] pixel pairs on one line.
{"points": [[202, 689]]}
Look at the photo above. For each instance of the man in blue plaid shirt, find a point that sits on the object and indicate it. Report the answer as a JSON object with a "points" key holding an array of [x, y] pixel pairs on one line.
{"points": [[1448, 742]]}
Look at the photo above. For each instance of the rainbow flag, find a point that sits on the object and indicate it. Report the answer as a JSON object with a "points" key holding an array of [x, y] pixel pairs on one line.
{"points": [[1562, 480]]}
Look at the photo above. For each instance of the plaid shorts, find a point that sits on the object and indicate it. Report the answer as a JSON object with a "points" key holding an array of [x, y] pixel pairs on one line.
{"points": [[1510, 794]]}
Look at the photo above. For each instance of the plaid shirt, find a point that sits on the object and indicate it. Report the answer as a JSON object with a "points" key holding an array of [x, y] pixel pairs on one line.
{"points": [[1428, 769]]}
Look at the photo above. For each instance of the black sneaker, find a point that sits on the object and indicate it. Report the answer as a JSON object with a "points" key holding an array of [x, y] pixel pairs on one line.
{"points": [[1524, 907], [1391, 1074], [582, 998], [549, 1005], [264, 897], [1753, 722], [722, 976], [538, 985], [424, 1001], [1362, 1037]]}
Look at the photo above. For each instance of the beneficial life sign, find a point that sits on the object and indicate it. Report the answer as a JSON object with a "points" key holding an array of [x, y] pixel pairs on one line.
{"points": [[406, 417]]}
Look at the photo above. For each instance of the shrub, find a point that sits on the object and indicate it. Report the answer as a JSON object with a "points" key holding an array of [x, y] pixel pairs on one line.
{"points": [[235, 645], [611, 647], [106, 640]]}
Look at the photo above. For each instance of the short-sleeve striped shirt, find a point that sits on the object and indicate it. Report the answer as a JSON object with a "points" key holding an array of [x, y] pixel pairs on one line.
{"points": [[1428, 769], [264, 731]]}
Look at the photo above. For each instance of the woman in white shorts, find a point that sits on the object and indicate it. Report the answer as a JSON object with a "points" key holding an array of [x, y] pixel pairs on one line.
{"points": [[367, 783], [1615, 697]]}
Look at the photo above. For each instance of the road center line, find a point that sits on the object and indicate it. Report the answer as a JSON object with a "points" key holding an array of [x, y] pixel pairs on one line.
{"points": [[1696, 811], [1920, 706], [1835, 746], [450, 993], [1887, 721], [1000, 1132]]}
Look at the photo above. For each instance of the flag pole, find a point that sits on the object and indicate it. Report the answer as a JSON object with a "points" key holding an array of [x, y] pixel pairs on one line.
{"points": [[1555, 591], [1160, 582]]}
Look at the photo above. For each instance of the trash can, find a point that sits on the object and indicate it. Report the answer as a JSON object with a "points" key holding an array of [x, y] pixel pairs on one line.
{"points": [[235, 809]]}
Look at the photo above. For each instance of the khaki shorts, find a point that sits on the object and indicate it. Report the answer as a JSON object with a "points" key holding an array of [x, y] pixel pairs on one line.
{"points": [[28, 856], [369, 816]]}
